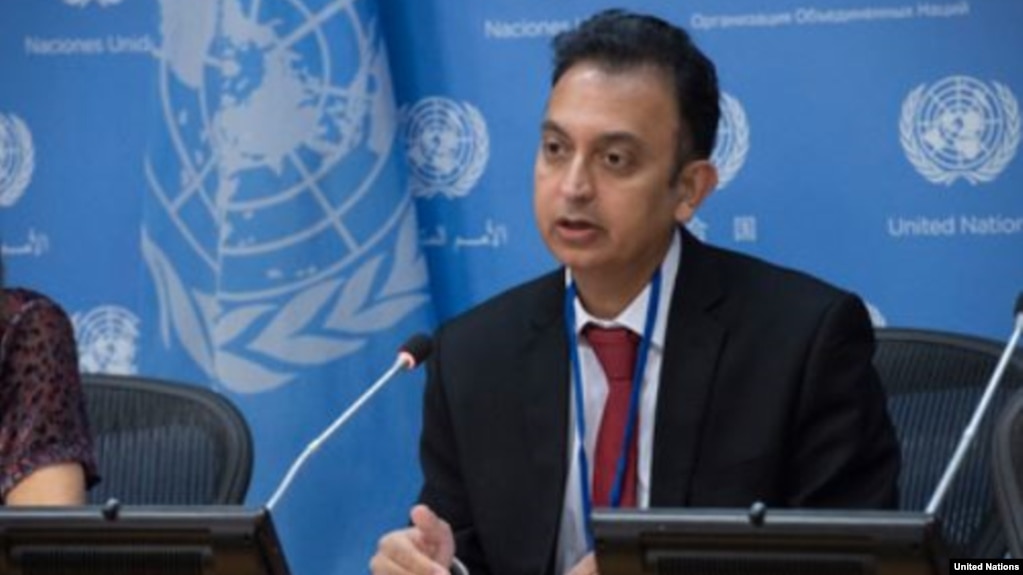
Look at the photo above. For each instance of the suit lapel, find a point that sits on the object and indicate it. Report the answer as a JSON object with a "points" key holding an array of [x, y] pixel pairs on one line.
{"points": [[692, 347], [545, 381]]}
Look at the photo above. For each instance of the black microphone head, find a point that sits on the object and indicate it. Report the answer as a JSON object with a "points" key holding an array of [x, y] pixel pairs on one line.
{"points": [[1019, 304], [417, 348]]}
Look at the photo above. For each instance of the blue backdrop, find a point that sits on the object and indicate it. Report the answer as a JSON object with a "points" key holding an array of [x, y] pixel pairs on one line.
{"points": [[267, 197]]}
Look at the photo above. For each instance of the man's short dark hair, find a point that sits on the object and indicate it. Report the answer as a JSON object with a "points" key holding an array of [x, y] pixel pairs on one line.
{"points": [[620, 40]]}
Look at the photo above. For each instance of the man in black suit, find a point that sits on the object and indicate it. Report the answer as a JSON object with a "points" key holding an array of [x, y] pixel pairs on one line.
{"points": [[750, 382]]}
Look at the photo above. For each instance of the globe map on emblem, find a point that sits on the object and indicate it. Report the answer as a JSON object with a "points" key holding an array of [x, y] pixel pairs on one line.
{"points": [[447, 146], [278, 188], [270, 123], [960, 127], [961, 122]]}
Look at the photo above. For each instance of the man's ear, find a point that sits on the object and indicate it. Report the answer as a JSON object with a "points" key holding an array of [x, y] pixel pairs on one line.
{"points": [[695, 184]]}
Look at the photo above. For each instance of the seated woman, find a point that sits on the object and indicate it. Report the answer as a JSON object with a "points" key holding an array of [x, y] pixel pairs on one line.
{"points": [[46, 451]]}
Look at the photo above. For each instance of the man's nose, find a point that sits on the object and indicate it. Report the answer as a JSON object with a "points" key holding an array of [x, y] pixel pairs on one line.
{"points": [[576, 182]]}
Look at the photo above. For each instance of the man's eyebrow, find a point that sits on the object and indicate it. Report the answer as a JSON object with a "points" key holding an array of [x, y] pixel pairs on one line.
{"points": [[604, 139], [551, 126], [620, 138]]}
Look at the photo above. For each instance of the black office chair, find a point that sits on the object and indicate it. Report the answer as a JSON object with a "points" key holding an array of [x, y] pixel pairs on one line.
{"points": [[1007, 467], [165, 443], [934, 381]]}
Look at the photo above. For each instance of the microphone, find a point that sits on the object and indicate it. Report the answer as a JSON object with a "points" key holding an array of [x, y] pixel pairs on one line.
{"points": [[411, 354], [967, 438]]}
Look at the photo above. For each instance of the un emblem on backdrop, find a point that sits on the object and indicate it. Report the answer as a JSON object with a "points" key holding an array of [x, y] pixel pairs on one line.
{"points": [[447, 146], [960, 127], [732, 141], [107, 339], [17, 159], [284, 242]]}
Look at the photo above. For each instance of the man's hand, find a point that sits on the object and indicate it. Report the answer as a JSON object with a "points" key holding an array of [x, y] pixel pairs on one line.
{"points": [[426, 548], [587, 566]]}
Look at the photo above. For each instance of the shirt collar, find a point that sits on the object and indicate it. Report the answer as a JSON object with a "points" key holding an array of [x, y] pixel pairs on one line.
{"points": [[634, 315]]}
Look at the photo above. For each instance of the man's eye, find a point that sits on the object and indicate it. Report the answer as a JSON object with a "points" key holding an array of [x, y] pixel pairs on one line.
{"points": [[616, 160]]}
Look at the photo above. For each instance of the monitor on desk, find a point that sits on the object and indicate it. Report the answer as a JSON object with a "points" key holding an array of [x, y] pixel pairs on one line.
{"points": [[775, 542], [115, 540]]}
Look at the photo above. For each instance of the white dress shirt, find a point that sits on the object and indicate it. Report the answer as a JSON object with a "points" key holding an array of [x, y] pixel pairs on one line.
{"points": [[572, 545]]}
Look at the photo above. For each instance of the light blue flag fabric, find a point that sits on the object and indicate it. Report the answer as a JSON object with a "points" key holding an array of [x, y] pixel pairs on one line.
{"points": [[282, 244]]}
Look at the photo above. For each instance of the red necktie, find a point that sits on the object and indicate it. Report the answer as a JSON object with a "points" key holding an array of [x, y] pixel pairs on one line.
{"points": [[616, 352]]}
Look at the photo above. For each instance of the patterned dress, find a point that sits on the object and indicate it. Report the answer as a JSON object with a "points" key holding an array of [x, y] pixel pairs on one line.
{"points": [[42, 407]]}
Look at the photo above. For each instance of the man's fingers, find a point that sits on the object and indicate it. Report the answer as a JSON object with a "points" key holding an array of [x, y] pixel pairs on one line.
{"points": [[426, 548], [383, 565], [436, 537], [401, 553], [424, 518]]}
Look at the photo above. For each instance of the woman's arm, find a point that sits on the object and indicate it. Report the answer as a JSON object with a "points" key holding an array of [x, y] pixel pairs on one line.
{"points": [[46, 453], [56, 484]]}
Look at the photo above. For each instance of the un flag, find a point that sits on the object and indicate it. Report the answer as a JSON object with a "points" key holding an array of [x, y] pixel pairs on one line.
{"points": [[283, 250]]}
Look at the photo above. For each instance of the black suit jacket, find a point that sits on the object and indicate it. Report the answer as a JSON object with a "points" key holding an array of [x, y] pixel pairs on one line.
{"points": [[767, 393]]}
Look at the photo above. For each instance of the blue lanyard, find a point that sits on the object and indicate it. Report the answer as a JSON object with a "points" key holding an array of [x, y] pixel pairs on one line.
{"points": [[634, 398]]}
